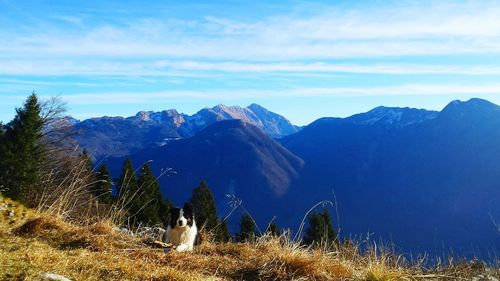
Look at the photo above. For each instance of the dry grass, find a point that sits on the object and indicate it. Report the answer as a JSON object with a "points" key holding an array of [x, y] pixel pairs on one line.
{"points": [[32, 243], [65, 194]]}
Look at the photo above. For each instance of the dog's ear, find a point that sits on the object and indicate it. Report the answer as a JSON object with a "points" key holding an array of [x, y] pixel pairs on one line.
{"points": [[169, 217], [173, 215], [188, 207], [173, 212]]}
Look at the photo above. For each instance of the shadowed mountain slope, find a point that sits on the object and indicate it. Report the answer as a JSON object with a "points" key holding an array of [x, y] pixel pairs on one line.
{"points": [[234, 156], [427, 183]]}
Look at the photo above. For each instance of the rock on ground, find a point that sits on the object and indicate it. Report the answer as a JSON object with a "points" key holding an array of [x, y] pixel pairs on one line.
{"points": [[52, 277]]}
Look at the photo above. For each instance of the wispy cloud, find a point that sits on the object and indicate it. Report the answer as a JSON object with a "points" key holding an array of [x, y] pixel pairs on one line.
{"points": [[400, 90], [12, 81], [193, 68], [442, 27], [330, 67]]}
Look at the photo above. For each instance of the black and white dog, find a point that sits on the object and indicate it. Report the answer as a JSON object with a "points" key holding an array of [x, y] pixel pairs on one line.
{"points": [[182, 230]]}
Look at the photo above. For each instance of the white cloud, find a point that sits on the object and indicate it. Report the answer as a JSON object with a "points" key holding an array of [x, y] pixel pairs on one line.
{"points": [[194, 68], [439, 27], [400, 90], [330, 67]]}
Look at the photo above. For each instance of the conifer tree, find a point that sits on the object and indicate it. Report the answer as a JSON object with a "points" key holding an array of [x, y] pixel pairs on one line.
{"points": [[164, 209], [2, 156], [23, 150], [204, 207], [128, 179], [103, 185], [320, 230], [2, 141], [147, 205], [87, 161], [142, 195], [273, 230], [128, 189], [315, 230], [222, 234], [87, 171], [247, 228], [2, 133], [330, 233]]}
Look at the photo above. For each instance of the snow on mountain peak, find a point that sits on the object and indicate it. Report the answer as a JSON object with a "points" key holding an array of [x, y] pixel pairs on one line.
{"points": [[393, 116]]}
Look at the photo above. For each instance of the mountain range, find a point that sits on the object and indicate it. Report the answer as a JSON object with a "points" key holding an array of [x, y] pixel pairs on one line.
{"points": [[120, 136], [426, 181], [432, 184]]}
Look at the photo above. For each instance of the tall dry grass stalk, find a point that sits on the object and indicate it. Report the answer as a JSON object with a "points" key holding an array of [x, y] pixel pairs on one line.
{"points": [[65, 178], [68, 196], [65, 192]]}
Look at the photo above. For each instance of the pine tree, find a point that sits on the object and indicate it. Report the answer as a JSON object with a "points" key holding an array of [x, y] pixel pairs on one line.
{"points": [[147, 207], [247, 228], [222, 234], [142, 196], [273, 230], [2, 133], [103, 185], [320, 230], [86, 161], [23, 151], [127, 183], [204, 207], [330, 234], [87, 170], [164, 209], [128, 188], [315, 229], [2, 156]]}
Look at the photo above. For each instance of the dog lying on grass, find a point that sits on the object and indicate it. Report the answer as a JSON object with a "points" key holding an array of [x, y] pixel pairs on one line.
{"points": [[182, 231]]}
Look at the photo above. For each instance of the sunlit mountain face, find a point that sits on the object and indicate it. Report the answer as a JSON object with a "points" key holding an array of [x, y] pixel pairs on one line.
{"points": [[120, 136]]}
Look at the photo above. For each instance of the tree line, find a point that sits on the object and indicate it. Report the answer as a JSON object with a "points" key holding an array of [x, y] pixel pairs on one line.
{"points": [[36, 146]]}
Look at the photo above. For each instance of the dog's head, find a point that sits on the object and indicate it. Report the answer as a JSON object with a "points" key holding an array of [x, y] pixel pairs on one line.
{"points": [[182, 217]]}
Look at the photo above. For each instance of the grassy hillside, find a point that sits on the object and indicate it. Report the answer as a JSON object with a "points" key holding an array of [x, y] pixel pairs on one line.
{"points": [[32, 243]]}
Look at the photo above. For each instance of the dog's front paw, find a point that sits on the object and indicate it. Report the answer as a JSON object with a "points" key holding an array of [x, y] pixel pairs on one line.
{"points": [[182, 248]]}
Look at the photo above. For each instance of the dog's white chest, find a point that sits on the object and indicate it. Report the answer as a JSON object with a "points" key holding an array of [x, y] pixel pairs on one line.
{"points": [[179, 236]]}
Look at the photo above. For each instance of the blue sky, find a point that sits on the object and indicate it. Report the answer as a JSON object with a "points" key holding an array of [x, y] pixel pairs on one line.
{"points": [[301, 59]]}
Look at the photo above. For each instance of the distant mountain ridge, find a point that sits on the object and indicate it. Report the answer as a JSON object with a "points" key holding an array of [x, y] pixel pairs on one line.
{"points": [[275, 125], [393, 116], [120, 136], [429, 184]]}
